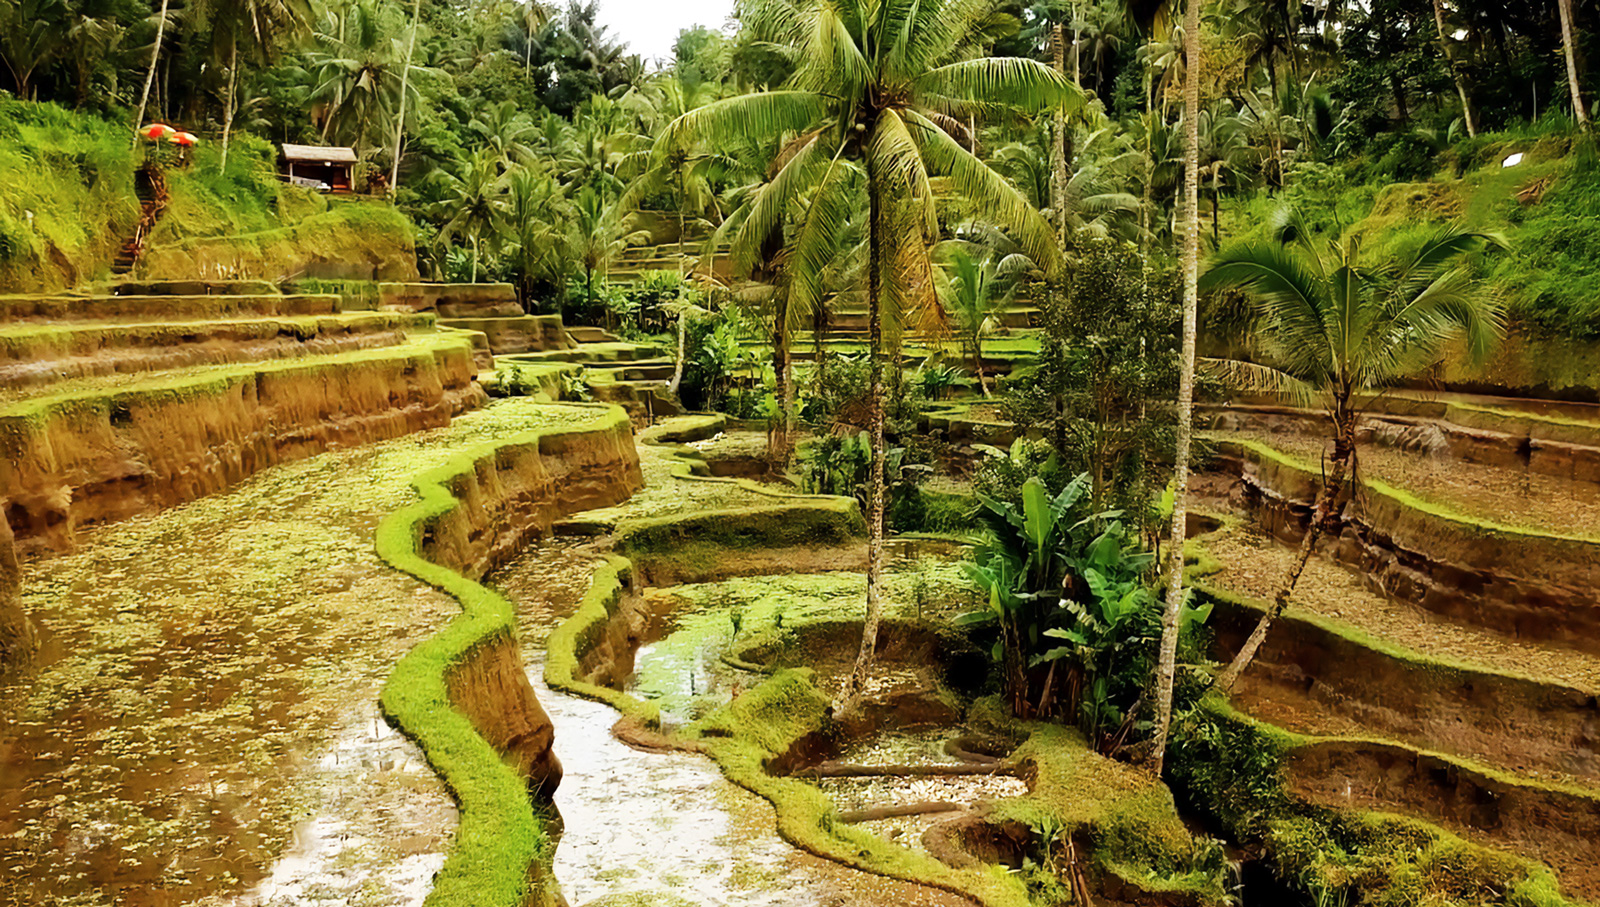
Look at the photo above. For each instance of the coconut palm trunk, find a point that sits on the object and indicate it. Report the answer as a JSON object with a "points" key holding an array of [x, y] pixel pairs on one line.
{"points": [[683, 310], [1171, 616], [876, 490], [783, 367], [405, 83], [1058, 145], [1578, 110], [150, 74], [232, 99], [1467, 113], [1321, 514], [977, 363]]}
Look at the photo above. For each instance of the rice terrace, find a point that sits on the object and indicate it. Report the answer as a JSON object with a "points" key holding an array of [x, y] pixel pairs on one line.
{"points": [[799, 453]]}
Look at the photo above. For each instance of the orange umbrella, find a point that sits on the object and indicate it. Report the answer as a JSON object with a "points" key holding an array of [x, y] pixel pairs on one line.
{"points": [[156, 131], [185, 139]]}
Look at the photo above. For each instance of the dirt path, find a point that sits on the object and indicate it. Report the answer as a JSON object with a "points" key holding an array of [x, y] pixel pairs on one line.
{"points": [[204, 703]]}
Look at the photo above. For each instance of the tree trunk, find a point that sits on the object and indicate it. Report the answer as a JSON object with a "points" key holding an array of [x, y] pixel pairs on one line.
{"points": [[233, 90], [851, 691], [474, 258], [1578, 110], [977, 362], [783, 439], [1461, 80], [1400, 98], [683, 352], [150, 74], [1326, 496], [405, 82], [1058, 145], [1166, 667], [683, 315]]}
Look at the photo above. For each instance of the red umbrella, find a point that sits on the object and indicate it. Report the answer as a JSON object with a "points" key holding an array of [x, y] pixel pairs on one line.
{"points": [[156, 131], [185, 139]]}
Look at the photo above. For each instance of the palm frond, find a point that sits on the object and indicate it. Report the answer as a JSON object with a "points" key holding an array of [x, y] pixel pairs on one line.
{"points": [[989, 192], [1255, 378], [1018, 83], [763, 113]]}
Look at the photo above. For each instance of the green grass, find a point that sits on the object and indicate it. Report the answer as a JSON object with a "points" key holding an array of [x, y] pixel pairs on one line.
{"points": [[100, 394], [501, 851], [1548, 277], [1233, 765], [360, 235], [66, 195]]}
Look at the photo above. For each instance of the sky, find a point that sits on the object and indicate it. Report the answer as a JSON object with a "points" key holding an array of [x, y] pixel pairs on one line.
{"points": [[651, 26]]}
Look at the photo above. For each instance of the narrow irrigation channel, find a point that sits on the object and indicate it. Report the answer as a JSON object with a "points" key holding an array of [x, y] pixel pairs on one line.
{"points": [[662, 825]]}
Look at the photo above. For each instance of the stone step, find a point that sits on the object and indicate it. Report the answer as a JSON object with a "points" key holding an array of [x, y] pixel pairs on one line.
{"points": [[191, 288], [583, 333], [161, 307], [597, 353], [34, 356], [452, 300], [642, 370], [519, 334], [856, 320], [645, 401]]}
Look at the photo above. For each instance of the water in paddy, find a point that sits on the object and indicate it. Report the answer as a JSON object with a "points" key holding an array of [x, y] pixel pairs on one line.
{"points": [[645, 823], [201, 727]]}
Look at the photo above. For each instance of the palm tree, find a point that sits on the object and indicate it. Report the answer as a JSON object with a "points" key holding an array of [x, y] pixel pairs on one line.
{"points": [[150, 74], [32, 33], [405, 84], [473, 202], [263, 27], [1094, 197], [763, 261], [689, 176], [599, 236], [1336, 328], [540, 215], [1467, 113], [359, 75], [1578, 110], [507, 131], [880, 93], [978, 290], [1172, 614]]}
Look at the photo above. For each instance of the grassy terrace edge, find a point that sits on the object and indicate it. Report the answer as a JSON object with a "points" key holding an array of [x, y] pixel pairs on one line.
{"points": [[768, 719], [500, 837], [216, 379], [1537, 886], [1400, 497]]}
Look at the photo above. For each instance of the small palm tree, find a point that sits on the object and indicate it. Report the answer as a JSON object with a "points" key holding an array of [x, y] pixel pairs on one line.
{"points": [[880, 101], [506, 130], [600, 235], [474, 202], [978, 289], [539, 214], [1337, 328]]}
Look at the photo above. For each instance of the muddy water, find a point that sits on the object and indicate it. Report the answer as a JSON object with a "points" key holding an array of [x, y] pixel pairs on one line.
{"points": [[649, 823], [201, 728]]}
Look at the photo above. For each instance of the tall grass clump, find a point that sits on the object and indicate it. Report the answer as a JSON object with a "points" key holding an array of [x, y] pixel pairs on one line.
{"points": [[66, 195]]}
